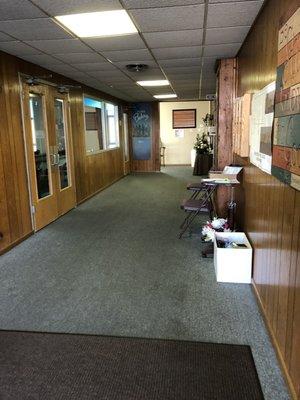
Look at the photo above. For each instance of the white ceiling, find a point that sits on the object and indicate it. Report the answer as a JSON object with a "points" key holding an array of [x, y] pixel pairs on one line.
{"points": [[178, 39]]}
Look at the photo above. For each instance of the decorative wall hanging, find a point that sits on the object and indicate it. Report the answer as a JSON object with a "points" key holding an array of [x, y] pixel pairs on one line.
{"points": [[286, 138], [261, 123], [141, 131], [184, 119], [241, 125]]}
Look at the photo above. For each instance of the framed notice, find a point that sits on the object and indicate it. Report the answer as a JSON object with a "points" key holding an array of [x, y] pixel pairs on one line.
{"points": [[261, 124], [183, 119], [286, 138]]}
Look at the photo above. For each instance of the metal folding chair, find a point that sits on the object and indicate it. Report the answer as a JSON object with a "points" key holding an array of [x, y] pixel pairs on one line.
{"points": [[194, 206]]}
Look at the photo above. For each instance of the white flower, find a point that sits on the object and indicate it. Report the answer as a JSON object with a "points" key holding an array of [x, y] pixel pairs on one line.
{"points": [[208, 233], [218, 223]]}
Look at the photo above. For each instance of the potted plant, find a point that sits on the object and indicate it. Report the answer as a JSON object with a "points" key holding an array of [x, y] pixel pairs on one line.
{"points": [[203, 161]]}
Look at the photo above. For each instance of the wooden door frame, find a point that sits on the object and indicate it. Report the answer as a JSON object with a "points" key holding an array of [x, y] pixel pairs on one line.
{"points": [[126, 164], [62, 201], [49, 212]]}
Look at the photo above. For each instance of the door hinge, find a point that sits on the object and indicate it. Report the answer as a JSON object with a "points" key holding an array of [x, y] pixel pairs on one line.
{"points": [[32, 209]]}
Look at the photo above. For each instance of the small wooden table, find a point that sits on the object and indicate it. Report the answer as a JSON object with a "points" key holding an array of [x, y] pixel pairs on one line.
{"points": [[203, 163]]}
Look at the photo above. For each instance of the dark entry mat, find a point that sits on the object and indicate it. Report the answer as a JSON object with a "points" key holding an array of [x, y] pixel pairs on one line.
{"points": [[85, 367]]}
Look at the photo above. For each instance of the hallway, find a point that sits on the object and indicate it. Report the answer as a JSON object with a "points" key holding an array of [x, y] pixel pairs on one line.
{"points": [[114, 266]]}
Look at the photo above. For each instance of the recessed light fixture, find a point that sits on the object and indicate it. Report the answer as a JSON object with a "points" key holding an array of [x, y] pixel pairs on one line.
{"points": [[165, 96], [98, 24], [161, 82]]}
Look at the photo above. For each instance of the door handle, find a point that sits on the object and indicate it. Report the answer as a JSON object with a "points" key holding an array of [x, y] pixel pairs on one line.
{"points": [[52, 160], [57, 158]]}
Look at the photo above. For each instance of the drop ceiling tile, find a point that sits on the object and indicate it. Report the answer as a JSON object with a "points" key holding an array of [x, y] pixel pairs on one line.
{"points": [[5, 38], [42, 59], [110, 74], [94, 66], [126, 85], [132, 55], [77, 75], [160, 90], [75, 58], [191, 37], [235, 34], [19, 9], [184, 62], [180, 77], [89, 81], [209, 63], [182, 70], [128, 42], [185, 84], [18, 49], [61, 7], [177, 52], [34, 29], [62, 69], [232, 14], [130, 4], [169, 18], [59, 46], [222, 50]]}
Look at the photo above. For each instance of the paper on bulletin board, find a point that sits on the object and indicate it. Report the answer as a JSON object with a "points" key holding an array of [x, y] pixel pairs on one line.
{"points": [[261, 124], [179, 133]]}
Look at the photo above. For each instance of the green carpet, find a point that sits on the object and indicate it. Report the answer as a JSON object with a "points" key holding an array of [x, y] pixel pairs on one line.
{"points": [[114, 266]]}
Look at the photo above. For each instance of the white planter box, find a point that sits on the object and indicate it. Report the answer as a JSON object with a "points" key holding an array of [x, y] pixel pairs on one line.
{"points": [[233, 264]]}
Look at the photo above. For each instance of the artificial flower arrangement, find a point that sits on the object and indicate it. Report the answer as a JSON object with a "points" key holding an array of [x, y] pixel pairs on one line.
{"points": [[216, 225], [208, 120], [202, 145]]}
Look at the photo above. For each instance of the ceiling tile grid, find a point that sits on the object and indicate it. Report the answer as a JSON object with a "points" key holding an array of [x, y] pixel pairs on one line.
{"points": [[169, 18], [175, 40]]}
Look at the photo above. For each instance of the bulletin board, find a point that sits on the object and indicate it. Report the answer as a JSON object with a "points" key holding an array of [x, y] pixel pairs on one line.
{"points": [[261, 125], [286, 138]]}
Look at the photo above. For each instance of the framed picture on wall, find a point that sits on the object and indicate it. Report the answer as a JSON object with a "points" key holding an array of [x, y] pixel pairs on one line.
{"points": [[183, 119]]}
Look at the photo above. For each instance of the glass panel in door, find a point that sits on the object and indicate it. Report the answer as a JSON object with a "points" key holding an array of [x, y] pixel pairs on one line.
{"points": [[60, 128], [40, 145]]}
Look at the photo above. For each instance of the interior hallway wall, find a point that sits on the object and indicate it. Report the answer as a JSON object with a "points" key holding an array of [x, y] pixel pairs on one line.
{"points": [[272, 209], [178, 149], [93, 172]]}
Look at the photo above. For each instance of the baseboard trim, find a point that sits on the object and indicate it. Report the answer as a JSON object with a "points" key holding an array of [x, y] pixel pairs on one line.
{"points": [[100, 190], [178, 165], [16, 242], [280, 358]]}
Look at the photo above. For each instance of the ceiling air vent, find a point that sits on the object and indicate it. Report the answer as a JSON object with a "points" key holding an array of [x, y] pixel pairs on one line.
{"points": [[137, 67]]}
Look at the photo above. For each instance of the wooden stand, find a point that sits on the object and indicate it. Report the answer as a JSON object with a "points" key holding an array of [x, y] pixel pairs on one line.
{"points": [[203, 164]]}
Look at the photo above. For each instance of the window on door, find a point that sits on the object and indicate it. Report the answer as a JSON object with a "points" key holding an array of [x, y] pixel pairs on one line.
{"points": [[39, 141], [112, 125], [101, 125]]}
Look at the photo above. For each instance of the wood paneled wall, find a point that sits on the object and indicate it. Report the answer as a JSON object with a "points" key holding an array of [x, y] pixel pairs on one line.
{"points": [[272, 209], [96, 171], [93, 172]]}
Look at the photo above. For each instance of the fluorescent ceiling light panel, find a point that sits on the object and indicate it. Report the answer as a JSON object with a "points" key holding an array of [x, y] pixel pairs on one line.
{"points": [[162, 82], [165, 96], [99, 24]]}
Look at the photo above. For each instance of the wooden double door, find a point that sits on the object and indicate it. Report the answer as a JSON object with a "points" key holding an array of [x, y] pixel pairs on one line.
{"points": [[49, 153]]}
